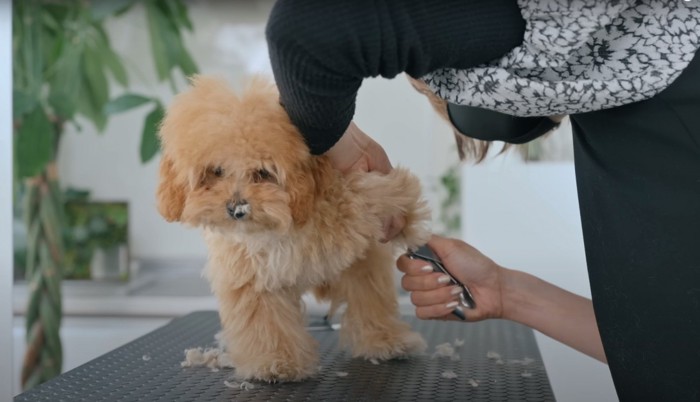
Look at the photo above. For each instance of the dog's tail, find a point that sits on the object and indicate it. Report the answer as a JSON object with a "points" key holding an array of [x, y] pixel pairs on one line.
{"points": [[397, 193]]}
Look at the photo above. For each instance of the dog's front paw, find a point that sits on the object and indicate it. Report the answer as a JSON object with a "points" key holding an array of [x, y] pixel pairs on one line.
{"points": [[273, 368], [389, 343]]}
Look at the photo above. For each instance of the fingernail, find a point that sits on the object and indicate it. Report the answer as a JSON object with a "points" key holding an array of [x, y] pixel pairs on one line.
{"points": [[456, 290], [451, 304], [427, 268], [443, 279]]}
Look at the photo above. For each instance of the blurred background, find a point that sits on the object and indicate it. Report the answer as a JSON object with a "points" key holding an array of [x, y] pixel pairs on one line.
{"points": [[95, 266]]}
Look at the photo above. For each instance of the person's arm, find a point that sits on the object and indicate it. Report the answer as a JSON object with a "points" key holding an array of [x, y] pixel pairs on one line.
{"points": [[500, 293], [322, 50], [555, 312]]}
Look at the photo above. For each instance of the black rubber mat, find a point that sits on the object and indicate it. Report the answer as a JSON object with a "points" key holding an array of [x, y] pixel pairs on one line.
{"points": [[499, 361]]}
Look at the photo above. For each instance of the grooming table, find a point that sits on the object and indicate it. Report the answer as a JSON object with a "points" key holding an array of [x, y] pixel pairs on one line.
{"points": [[148, 369]]}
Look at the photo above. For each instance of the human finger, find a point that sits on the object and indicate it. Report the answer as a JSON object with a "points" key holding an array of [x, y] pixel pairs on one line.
{"points": [[437, 311], [378, 160], [424, 282], [443, 295], [412, 266], [349, 153]]}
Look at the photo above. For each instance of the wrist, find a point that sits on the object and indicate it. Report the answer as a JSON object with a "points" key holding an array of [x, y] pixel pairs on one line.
{"points": [[518, 295], [349, 148]]}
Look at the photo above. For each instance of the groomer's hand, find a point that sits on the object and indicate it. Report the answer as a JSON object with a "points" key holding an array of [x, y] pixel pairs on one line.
{"points": [[431, 291], [357, 151]]}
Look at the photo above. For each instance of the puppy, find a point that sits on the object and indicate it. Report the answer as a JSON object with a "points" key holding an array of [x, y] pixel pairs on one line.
{"points": [[279, 222]]}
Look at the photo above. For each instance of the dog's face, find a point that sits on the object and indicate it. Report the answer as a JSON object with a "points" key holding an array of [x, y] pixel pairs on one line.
{"points": [[234, 163]]}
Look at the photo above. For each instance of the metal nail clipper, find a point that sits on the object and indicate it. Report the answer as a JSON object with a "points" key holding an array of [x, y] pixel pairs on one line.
{"points": [[465, 297]]}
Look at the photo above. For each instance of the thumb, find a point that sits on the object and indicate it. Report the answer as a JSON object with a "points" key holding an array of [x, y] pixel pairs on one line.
{"points": [[442, 246]]}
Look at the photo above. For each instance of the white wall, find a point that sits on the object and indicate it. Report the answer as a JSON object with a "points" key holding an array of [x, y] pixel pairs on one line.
{"points": [[229, 41], [5, 200]]}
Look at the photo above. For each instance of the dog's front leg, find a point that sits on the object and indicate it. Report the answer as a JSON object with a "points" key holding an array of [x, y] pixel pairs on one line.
{"points": [[265, 334], [371, 326]]}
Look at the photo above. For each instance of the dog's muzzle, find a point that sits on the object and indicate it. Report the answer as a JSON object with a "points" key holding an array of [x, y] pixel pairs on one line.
{"points": [[238, 209]]}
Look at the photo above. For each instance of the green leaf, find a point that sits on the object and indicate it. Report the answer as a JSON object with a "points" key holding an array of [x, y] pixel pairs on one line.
{"points": [[95, 77], [180, 10], [174, 46], [35, 142], [102, 9], [187, 65], [110, 59], [50, 22], [89, 109], [162, 61], [65, 84], [125, 102], [150, 145], [29, 45], [115, 66], [22, 103], [53, 48]]}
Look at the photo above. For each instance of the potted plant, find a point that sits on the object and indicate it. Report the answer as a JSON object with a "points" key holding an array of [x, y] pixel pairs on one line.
{"points": [[63, 67]]}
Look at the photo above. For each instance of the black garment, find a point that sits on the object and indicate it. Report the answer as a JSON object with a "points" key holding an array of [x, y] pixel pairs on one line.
{"points": [[638, 176], [489, 125], [321, 50]]}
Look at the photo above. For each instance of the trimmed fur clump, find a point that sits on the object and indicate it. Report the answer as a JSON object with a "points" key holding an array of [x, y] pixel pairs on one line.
{"points": [[279, 222], [214, 358], [449, 374]]}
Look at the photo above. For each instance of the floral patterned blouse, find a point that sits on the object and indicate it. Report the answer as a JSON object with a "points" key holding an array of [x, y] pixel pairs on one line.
{"points": [[579, 56]]}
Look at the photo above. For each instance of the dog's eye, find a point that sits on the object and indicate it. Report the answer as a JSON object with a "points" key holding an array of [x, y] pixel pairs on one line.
{"points": [[262, 175], [218, 171]]}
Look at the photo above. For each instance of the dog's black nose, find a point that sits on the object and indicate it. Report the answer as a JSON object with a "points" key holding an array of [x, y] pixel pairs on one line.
{"points": [[238, 209]]}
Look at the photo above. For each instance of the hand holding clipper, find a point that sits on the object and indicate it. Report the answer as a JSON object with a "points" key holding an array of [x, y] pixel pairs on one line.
{"points": [[465, 297]]}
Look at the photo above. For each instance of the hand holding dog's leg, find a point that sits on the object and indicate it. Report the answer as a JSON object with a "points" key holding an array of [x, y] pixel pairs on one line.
{"points": [[356, 151], [265, 335]]}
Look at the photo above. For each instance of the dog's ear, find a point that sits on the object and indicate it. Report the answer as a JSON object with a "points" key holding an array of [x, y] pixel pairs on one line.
{"points": [[171, 193]]}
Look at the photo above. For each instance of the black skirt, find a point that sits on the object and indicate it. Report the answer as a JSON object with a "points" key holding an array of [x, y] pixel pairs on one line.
{"points": [[638, 177]]}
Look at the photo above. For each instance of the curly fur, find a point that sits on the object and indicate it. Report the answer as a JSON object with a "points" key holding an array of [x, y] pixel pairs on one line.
{"points": [[305, 227]]}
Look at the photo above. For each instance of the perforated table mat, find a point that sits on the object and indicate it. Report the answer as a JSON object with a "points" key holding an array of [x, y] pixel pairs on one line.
{"points": [[499, 361]]}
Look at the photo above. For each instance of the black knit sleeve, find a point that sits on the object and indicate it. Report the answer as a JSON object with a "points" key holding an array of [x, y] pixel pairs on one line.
{"points": [[321, 50]]}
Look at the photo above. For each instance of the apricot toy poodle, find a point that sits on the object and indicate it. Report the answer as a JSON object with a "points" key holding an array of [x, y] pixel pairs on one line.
{"points": [[278, 222]]}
